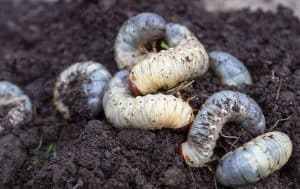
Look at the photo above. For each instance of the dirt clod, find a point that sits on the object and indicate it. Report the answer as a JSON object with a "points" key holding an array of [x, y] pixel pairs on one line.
{"points": [[173, 177], [12, 157]]}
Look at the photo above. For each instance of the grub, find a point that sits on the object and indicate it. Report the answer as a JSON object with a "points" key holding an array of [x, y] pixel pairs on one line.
{"points": [[40, 41]]}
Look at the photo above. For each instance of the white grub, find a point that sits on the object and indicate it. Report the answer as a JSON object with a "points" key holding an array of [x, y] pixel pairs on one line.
{"points": [[231, 70], [255, 160], [141, 29], [148, 112], [220, 108], [90, 78], [175, 33], [186, 59], [18, 104]]}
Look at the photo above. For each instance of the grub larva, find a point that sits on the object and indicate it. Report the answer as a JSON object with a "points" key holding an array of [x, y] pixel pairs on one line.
{"points": [[139, 30], [175, 33], [186, 59], [148, 112], [80, 88], [15, 104], [231, 70], [255, 160], [220, 108]]}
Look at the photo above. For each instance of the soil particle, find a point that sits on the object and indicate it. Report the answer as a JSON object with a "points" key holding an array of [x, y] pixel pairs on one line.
{"points": [[39, 41], [12, 156], [140, 140], [173, 177], [29, 138], [297, 76], [298, 171], [74, 97]]}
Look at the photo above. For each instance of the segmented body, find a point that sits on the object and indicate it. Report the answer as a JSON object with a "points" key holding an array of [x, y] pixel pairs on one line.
{"points": [[141, 29], [185, 60], [220, 108], [231, 70], [18, 104], [88, 80], [255, 160], [148, 112], [175, 33]]}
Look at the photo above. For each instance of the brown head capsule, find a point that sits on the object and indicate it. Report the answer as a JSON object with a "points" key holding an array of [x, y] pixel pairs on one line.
{"points": [[80, 88], [148, 112], [220, 108], [186, 59], [15, 104], [255, 160]]}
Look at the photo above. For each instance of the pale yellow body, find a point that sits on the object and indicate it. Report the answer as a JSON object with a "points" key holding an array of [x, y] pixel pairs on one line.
{"points": [[255, 160], [164, 70], [148, 112], [63, 78]]}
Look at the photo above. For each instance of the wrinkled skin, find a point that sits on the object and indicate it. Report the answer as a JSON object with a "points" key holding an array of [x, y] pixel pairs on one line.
{"points": [[220, 108], [255, 160]]}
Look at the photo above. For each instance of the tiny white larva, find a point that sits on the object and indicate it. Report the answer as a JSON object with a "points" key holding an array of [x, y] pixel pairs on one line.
{"points": [[255, 160], [85, 81], [148, 112], [19, 107], [218, 109], [231, 70], [186, 59], [138, 30]]}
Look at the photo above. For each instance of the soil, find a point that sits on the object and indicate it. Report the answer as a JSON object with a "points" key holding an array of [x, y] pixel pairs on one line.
{"points": [[73, 96], [39, 41]]}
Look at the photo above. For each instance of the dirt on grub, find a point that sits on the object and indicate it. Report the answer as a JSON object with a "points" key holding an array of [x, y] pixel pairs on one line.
{"points": [[39, 41], [74, 97]]}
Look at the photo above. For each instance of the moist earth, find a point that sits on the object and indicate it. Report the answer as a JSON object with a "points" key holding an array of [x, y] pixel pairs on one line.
{"points": [[38, 41], [74, 96]]}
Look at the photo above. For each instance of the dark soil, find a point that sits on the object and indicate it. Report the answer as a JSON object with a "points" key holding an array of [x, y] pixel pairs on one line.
{"points": [[74, 96], [39, 41]]}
